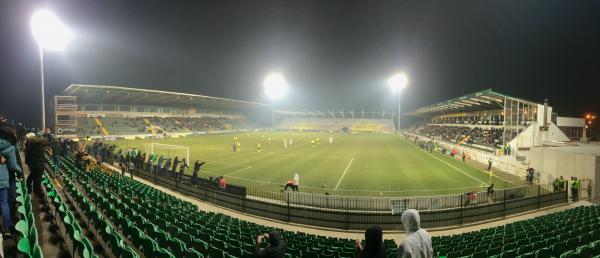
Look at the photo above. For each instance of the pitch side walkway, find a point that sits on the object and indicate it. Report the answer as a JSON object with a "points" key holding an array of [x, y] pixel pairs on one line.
{"points": [[396, 236]]}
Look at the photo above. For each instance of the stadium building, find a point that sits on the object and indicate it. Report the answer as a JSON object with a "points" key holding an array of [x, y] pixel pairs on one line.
{"points": [[516, 134], [112, 111]]}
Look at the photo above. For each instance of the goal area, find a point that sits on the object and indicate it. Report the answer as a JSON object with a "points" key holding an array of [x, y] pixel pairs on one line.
{"points": [[169, 151]]}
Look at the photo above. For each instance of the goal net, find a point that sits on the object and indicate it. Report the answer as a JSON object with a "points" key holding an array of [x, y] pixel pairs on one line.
{"points": [[169, 151]]}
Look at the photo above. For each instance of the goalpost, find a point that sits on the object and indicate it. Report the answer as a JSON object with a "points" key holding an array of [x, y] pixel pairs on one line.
{"points": [[169, 151]]}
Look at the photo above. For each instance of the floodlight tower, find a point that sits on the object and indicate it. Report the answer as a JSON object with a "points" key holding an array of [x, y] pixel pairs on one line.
{"points": [[275, 88], [50, 34], [397, 83]]}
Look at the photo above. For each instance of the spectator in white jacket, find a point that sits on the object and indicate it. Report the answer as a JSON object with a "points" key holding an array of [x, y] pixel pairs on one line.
{"points": [[418, 242]]}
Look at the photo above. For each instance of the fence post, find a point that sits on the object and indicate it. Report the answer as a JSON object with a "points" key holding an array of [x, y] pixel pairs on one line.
{"points": [[504, 204], [461, 208], [566, 191], [538, 196], [347, 216], [288, 206]]}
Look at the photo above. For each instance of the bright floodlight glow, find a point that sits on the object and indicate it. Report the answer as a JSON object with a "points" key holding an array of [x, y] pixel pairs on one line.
{"points": [[275, 86], [49, 31], [398, 82]]}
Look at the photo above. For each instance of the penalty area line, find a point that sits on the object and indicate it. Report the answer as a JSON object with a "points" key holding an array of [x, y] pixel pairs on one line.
{"points": [[342, 177]]}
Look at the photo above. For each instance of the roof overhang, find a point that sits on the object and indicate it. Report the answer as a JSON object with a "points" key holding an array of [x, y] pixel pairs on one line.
{"points": [[102, 94], [478, 101]]}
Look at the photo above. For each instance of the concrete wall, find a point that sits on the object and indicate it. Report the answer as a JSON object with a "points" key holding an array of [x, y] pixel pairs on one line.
{"points": [[570, 121], [552, 162]]}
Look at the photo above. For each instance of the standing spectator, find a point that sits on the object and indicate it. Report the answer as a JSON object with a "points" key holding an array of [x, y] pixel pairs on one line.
{"points": [[490, 161], [174, 169], [275, 248], [158, 168], [34, 157], [490, 193], [8, 165], [561, 183], [576, 186], [197, 166], [374, 247], [11, 135], [418, 242], [222, 183], [56, 154], [166, 167], [182, 168], [555, 185]]}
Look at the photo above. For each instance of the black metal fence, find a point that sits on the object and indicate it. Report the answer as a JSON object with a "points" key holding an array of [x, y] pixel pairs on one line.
{"points": [[359, 213]]}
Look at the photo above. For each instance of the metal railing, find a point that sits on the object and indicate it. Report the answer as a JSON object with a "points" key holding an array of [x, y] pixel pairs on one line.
{"points": [[359, 213]]}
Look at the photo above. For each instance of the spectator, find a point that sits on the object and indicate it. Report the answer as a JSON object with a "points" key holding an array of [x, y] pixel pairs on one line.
{"points": [[174, 169], [56, 154], [8, 165], [490, 193], [222, 183], [35, 151], [418, 242], [374, 247], [182, 168], [275, 248], [11, 135]]}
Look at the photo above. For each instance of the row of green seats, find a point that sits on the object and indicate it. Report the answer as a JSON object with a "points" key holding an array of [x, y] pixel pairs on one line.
{"points": [[28, 244]]}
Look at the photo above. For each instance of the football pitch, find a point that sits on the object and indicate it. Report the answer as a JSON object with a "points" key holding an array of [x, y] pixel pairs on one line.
{"points": [[355, 164]]}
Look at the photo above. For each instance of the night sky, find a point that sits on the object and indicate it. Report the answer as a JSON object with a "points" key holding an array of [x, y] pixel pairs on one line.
{"points": [[334, 54]]}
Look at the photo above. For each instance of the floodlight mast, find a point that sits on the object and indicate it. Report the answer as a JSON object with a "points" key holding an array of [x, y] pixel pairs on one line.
{"points": [[275, 88], [397, 83], [51, 34]]}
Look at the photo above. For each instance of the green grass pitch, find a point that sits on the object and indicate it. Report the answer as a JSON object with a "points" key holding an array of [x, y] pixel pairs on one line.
{"points": [[355, 164]]}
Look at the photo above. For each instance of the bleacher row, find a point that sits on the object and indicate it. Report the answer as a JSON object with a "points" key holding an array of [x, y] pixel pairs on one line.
{"points": [[131, 219], [158, 125], [26, 227], [571, 233]]}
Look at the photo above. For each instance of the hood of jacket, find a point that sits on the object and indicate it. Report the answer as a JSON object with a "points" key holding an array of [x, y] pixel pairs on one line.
{"points": [[411, 221], [4, 146]]}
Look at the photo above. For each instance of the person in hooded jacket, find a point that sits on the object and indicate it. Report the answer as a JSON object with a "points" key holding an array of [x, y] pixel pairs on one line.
{"points": [[374, 247], [418, 242], [35, 150], [10, 134], [8, 165], [276, 246]]}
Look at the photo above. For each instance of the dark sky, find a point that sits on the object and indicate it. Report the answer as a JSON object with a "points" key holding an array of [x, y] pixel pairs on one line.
{"points": [[334, 54]]}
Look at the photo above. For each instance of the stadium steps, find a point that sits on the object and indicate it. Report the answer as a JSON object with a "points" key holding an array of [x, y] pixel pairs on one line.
{"points": [[184, 128], [149, 126], [102, 128], [211, 234]]}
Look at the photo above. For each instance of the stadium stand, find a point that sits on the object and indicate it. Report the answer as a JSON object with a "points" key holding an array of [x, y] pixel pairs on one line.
{"points": [[158, 125], [366, 125], [471, 135]]}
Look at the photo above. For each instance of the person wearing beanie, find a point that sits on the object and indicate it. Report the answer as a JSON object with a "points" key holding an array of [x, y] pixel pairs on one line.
{"points": [[275, 248]]}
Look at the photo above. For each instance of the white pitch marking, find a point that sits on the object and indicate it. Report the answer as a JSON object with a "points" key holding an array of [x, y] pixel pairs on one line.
{"points": [[342, 177], [238, 171]]}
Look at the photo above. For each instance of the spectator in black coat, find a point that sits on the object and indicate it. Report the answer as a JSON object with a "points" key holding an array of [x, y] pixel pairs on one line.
{"points": [[34, 158], [374, 247], [275, 248]]}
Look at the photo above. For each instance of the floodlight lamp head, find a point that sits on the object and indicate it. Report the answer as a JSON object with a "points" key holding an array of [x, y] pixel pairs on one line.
{"points": [[275, 86], [398, 82], [49, 32]]}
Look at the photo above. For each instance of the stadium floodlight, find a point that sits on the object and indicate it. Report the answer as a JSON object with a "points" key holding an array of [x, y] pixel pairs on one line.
{"points": [[275, 88], [50, 34], [397, 83]]}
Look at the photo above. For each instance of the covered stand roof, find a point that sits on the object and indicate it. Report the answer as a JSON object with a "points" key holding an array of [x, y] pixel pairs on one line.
{"points": [[98, 94], [478, 101]]}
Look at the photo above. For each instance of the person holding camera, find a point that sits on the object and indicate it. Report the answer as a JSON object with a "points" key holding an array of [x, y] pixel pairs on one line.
{"points": [[275, 245]]}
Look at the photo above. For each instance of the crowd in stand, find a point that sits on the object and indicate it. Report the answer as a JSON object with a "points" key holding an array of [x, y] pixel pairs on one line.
{"points": [[470, 135], [468, 121]]}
